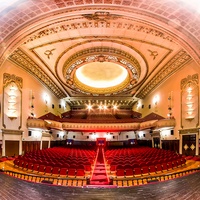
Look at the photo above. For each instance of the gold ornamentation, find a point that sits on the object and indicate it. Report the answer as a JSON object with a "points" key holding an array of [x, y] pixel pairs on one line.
{"points": [[105, 24], [192, 147], [153, 53], [49, 53], [179, 60], [24, 61], [101, 16], [8, 78], [89, 55], [193, 78], [185, 147]]}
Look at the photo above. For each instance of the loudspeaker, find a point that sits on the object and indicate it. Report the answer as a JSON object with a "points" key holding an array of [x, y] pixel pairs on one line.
{"points": [[150, 131], [149, 106], [52, 105], [59, 106], [57, 135], [29, 133], [143, 135], [88, 137], [113, 137], [172, 132], [74, 136], [126, 136]]}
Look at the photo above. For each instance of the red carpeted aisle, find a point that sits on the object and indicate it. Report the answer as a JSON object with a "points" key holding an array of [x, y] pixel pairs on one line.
{"points": [[99, 176]]}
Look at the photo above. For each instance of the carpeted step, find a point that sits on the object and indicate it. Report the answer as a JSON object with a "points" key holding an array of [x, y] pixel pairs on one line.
{"points": [[99, 183], [99, 177], [99, 171]]}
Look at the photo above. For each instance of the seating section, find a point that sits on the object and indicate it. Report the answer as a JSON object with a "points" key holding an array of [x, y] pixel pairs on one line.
{"points": [[142, 160], [73, 162]]}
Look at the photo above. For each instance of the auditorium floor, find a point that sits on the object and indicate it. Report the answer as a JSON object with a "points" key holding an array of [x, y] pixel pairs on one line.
{"points": [[184, 188]]}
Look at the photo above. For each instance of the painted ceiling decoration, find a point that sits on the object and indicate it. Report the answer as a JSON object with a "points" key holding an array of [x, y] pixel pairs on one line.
{"points": [[78, 49]]}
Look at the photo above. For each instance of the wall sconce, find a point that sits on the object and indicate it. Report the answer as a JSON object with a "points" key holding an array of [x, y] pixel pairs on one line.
{"points": [[189, 103], [156, 100], [12, 101], [46, 100]]}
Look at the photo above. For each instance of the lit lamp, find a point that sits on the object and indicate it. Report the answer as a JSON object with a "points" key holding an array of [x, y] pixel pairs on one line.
{"points": [[12, 101], [189, 104]]}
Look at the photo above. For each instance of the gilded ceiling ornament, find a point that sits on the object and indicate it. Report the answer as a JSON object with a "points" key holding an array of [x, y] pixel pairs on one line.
{"points": [[25, 62], [49, 53], [101, 16], [153, 53]]}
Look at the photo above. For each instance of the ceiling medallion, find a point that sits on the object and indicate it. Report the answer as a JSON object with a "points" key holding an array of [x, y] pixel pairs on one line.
{"points": [[74, 81]]}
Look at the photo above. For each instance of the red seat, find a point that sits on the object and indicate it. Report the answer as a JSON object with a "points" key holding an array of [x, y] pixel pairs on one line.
{"points": [[48, 169], [129, 172], [145, 170], [35, 167], [63, 171], [164, 166], [71, 172], [120, 172], [80, 172], [41, 168], [16, 162], [113, 167], [30, 166], [137, 171], [169, 165], [87, 168], [55, 170], [158, 168], [152, 168]]}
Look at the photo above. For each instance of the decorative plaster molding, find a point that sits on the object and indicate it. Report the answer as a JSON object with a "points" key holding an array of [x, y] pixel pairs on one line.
{"points": [[36, 123], [134, 26], [24, 61], [11, 132], [48, 124], [179, 60]]}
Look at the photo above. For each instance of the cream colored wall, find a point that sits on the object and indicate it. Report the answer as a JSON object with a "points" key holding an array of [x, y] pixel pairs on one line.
{"points": [[170, 86], [39, 91]]}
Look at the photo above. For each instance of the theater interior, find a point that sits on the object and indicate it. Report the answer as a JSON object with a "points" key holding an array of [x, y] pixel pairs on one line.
{"points": [[99, 99]]}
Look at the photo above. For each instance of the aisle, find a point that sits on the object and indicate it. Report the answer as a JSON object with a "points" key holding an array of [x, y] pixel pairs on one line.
{"points": [[99, 176]]}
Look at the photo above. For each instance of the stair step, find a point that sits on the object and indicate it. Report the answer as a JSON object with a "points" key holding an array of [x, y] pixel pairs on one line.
{"points": [[99, 172], [99, 179], [99, 182], [103, 168]]}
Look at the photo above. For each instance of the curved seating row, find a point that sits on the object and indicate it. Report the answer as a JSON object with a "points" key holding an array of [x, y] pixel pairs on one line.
{"points": [[132, 170], [143, 160], [48, 159], [50, 170]]}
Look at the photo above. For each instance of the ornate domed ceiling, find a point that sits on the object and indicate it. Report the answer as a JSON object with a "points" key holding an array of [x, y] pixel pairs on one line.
{"points": [[94, 50]]}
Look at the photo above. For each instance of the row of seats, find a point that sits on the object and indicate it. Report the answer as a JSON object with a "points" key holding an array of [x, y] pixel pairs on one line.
{"points": [[132, 171], [49, 170], [57, 157], [144, 159]]}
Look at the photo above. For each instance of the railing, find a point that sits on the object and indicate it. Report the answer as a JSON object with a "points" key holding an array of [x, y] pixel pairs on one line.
{"points": [[80, 182], [130, 181], [66, 181]]}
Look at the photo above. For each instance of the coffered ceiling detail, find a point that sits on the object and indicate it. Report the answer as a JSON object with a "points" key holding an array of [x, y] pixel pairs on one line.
{"points": [[52, 39]]}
